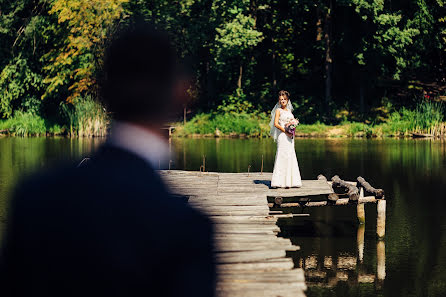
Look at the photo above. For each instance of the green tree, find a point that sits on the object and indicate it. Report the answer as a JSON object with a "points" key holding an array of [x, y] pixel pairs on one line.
{"points": [[72, 64], [235, 40]]}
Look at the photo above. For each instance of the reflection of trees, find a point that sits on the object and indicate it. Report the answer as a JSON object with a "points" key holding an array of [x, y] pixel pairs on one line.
{"points": [[21, 156], [225, 155]]}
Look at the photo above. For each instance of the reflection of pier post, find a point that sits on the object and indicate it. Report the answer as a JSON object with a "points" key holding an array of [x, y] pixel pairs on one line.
{"points": [[360, 241], [381, 256]]}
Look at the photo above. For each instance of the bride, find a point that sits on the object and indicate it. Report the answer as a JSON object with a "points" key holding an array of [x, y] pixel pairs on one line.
{"points": [[286, 170]]}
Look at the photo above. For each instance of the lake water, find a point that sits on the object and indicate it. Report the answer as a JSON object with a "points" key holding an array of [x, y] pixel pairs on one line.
{"points": [[412, 172]]}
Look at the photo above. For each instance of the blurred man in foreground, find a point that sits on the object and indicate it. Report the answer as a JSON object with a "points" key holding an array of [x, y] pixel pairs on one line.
{"points": [[110, 228]]}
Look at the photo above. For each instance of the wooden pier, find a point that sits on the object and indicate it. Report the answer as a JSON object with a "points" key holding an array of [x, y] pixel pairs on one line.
{"points": [[251, 259]]}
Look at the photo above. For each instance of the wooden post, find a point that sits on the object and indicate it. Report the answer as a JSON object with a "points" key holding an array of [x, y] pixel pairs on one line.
{"points": [[381, 219], [360, 208], [360, 241], [261, 169], [381, 262]]}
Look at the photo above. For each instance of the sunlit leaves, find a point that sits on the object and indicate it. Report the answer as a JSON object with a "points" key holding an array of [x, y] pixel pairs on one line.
{"points": [[238, 35], [87, 22]]}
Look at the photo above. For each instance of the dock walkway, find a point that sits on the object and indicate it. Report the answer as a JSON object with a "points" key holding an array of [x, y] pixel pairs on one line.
{"points": [[251, 259]]}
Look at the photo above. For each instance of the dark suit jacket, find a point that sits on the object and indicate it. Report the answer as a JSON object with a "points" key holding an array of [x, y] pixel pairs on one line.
{"points": [[108, 228]]}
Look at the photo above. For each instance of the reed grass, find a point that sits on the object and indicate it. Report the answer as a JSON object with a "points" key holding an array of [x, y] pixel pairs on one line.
{"points": [[86, 118]]}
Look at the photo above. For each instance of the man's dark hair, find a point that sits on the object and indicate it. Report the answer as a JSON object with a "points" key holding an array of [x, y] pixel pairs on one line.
{"points": [[138, 72]]}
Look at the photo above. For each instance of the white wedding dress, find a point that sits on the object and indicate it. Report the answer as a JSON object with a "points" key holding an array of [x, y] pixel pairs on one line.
{"points": [[286, 169]]}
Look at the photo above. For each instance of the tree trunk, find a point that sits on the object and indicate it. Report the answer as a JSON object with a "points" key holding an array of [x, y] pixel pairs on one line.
{"points": [[328, 59], [239, 82]]}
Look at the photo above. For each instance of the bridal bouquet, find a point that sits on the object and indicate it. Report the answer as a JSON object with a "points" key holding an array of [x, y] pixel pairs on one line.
{"points": [[290, 127]]}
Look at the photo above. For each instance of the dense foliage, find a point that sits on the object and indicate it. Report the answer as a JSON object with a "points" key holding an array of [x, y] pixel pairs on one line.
{"points": [[356, 60]]}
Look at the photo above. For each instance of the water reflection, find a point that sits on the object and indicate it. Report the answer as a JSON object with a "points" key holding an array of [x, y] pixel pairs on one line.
{"points": [[412, 172], [20, 156], [327, 267]]}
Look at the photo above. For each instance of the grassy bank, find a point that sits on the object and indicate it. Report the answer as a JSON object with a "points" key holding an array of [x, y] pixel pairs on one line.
{"points": [[84, 118], [29, 124], [427, 118]]}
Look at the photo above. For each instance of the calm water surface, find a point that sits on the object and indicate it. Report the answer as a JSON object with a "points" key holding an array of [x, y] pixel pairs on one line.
{"points": [[412, 172]]}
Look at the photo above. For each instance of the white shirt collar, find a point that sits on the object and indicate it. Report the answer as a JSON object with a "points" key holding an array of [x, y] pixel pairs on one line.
{"points": [[152, 148]]}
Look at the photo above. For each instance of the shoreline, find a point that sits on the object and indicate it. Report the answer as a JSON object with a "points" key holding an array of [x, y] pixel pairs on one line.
{"points": [[308, 136], [352, 130]]}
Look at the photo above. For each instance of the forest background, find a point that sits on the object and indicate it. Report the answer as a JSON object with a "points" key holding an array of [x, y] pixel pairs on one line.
{"points": [[353, 67]]}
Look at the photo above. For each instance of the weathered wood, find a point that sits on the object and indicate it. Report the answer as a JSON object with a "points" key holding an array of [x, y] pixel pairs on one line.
{"points": [[278, 201], [333, 197], [378, 193], [229, 208], [248, 252], [295, 275], [352, 191], [360, 211], [343, 201], [248, 256], [321, 177], [255, 291], [247, 246], [381, 219], [279, 264], [276, 288]]}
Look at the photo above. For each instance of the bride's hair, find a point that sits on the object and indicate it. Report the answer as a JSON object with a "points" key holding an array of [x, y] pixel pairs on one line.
{"points": [[284, 93]]}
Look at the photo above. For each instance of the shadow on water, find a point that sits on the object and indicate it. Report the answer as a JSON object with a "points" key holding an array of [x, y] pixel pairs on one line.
{"points": [[412, 172]]}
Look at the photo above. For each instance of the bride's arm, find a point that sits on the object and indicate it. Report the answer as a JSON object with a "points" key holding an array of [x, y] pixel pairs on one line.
{"points": [[276, 121]]}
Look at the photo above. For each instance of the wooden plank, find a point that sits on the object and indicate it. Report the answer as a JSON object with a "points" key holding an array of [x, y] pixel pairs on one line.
{"points": [[236, 213], [293, 275], [243, 220], [239, 247], [261, 266], [262, 293], [275, 288], [247, 256], [233, 207], [250, 257]]}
